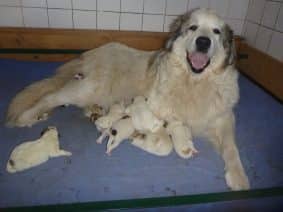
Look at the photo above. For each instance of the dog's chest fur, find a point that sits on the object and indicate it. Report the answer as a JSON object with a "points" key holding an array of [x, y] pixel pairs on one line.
{"points": [[176, 96]]}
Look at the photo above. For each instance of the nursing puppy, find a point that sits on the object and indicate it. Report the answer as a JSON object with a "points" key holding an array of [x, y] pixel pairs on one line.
{"points": [[192, 80]]}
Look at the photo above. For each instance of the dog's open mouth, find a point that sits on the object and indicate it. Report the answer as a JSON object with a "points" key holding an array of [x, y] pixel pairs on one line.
{"points": [[198, 61]]}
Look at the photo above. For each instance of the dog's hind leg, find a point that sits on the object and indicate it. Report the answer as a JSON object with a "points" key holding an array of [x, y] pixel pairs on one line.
{"points": [[221, 133], [33, 93], [73, 93]]}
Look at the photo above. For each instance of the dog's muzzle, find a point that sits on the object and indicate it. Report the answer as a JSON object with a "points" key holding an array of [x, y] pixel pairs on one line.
{"points": [[199, 59]]}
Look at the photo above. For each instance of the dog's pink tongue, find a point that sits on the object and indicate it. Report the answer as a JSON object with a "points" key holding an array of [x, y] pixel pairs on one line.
{"points": [[198, 60]]}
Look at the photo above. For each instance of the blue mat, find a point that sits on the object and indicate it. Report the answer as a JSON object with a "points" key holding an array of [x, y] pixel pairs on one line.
{"points": [[91, 175]]}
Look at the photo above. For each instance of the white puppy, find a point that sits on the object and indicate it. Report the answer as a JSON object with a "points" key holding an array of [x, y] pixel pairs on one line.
{"points": [[182, 139], [143, 118], [119, 131], [157, 143], [33, 153], [116, 112]]}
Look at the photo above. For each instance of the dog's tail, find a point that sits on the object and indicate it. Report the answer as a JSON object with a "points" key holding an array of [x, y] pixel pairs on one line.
{"points": [[30, 95]]}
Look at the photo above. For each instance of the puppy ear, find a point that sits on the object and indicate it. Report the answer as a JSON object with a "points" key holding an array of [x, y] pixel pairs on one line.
{"points": [[229, 45], [176, 29]]}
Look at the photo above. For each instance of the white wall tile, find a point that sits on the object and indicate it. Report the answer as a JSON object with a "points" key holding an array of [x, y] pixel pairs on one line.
{"points": [[34, 3], [236, 25], [108, 5], [131, 21], [84, 4], [198, 4], [154, 6], [238, 9], [168, 21], [275, 47], [132, 6], [263, 39], [255, 10], [11, 16], [220, 6], [108, 20], [35, 17], [176, 7], [270, 13], [10, 2], [153, 23], [65, 4], [279, 23], [60, 18], [251, 31], [84, 19]]}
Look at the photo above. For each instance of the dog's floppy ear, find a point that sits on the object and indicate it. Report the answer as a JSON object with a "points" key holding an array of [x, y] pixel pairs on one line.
{"points": [[176, 29], [229, 45]]}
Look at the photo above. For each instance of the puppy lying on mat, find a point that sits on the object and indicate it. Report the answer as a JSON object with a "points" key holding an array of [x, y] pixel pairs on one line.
{"points": [[33, 153]]}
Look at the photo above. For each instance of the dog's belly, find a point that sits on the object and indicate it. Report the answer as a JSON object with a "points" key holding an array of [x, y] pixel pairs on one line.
{"points": [[115, 73]]}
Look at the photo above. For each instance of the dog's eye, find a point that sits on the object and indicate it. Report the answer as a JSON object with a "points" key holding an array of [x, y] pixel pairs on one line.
{"points": [[193, 27], [216, 31]]}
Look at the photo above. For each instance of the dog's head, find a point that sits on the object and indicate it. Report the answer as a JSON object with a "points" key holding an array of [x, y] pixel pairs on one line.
{"points": [[202, 41]]}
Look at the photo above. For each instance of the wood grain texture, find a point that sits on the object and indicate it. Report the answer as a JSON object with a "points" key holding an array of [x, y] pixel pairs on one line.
{"points": [[77, 39], [262, 68]]}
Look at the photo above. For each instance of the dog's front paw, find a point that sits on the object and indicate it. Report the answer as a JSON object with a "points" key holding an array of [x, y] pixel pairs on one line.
{"points": [[237, 180]]}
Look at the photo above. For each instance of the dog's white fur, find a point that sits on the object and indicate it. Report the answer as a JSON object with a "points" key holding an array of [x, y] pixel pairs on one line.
{"points": [[142, 117], [202, 101], [34, 153]]}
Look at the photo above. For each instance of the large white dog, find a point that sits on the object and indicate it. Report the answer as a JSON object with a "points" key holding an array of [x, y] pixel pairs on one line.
{"points": [[192, 80]]}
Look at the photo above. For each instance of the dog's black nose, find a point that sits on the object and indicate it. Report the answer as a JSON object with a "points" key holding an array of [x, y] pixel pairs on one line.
{"points": [[203, 43]]}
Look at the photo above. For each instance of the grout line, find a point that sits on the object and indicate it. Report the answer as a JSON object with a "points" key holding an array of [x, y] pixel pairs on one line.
{"points": [[277, 17], [119, 27], [259, 24], [22, 11], [164, 16], [273, 31], [47, 13], [142, 15], [73, 23], [96, 15]]}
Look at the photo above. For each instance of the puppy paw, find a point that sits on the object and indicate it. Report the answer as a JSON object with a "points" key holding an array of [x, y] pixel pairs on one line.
{"points": [[237, 180], [188, 152]]}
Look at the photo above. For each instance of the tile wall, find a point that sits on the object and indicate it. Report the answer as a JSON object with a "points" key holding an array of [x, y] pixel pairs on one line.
{"points": [[260, 21], [138, 15], [263, 27]]}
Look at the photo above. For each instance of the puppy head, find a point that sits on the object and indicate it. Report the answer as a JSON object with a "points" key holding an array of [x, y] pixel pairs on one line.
{"points": [[202, 42]]}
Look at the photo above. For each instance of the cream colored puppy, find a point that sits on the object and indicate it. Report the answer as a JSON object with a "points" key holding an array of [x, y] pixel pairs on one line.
{"points": [[115, 113], [119, 131], [157, 143], [143, 118], [34, 153]]}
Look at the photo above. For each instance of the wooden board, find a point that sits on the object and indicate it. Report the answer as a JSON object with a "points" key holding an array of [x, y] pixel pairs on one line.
{"points": [[262, 68], [77, 39]]}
